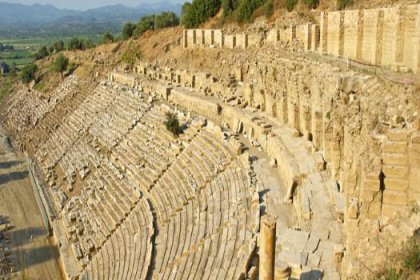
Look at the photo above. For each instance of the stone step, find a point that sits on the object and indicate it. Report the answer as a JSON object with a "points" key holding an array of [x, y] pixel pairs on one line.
{"points": [[395, 198], [397, 135], [395, 147], [395, 159], [395, 171], [396, 184]]}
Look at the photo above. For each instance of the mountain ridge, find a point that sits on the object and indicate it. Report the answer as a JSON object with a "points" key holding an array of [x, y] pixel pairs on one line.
{"points": [[19, 20]]}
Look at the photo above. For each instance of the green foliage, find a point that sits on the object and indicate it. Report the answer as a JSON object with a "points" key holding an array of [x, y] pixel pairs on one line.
{"points": [[412, 260], [199, 12], [185, 11], [145, 23], [28, 73], [58, 46], [8, 85], [131, 55], [60, 64], [128, 30], [107, 38], [75, 44], [6, 47], [41, 53], [268, 8], [246, 8], [312, 3], [70, 69], [391, 274], [80, 44], [342, 4], [5, 68], [172, 123], [290, 4], [228, 7], [166, 19]]}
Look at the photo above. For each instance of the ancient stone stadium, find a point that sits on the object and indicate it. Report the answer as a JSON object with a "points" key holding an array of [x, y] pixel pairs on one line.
{"points": [[297, 155]]}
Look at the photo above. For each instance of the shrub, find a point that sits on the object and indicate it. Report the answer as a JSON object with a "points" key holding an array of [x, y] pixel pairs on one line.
{"points": [[342, 4], [312, 3], [58, 46], [128, 30], [131, 55], [246, 8], [107, 38], [28, 73], [172, 123], [166, 19], [290, 5], [228, 7], [199, 11], [60, 64], [41, 53], [145, 23]]}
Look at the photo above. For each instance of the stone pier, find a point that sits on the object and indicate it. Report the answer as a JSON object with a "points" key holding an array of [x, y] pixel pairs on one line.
{"points": [[267, 247]]}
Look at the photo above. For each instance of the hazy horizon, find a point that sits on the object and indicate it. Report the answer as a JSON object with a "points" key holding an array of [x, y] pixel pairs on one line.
{"points": [[85, 5]]}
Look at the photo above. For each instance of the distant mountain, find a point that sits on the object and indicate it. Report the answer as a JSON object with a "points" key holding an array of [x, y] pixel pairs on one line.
{"points": [[17, 20]]}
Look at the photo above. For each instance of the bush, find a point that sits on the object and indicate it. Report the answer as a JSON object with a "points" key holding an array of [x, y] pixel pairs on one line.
{"points": [[60, 64], [166, 19], [145, 23], [58, 46], [312, 3], [28, 73], [290, 5], [246, 8], [199, 11], [107, 38], [342, 4], [128, 30], [172, 123], [41, 53], [228, 7], [131, 55], [80, 44]]}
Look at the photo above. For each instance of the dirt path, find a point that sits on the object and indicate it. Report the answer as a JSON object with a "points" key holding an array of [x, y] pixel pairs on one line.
{"points": [[32, 255]]}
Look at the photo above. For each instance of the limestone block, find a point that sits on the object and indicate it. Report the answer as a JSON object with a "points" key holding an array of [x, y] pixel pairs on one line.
{"points": [[395, 171], [397, 135], [273, 36], [395, 159], [372, 185], [396, 185], [395, 198], [395, 147]]}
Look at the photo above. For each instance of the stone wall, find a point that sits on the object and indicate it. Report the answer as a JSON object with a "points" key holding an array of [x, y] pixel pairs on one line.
{"points": [[384, 37]]}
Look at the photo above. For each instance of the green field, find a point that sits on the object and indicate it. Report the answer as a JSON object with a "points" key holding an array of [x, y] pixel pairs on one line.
{"points": [[25, 49]]}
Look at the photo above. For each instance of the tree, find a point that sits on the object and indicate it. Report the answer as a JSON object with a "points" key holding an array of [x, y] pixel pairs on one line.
{"points": [[60, 64], [13, 69], [75, 44], [199, 12], [41, 53], [185, 11], [166, 19], [128, 30], [145, 23], [107, 38], [28, 73], [58, 46], [172, 123]]}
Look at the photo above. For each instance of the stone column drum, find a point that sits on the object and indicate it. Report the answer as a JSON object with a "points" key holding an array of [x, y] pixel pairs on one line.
{"points": [[267, 247]]}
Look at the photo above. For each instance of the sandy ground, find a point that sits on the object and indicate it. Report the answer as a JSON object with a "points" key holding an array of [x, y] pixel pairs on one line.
{"points": [[33, 255]]}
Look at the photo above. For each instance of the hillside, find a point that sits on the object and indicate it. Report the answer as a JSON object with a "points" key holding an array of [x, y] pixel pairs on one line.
{"points": [[295, 153], [46, 20]]}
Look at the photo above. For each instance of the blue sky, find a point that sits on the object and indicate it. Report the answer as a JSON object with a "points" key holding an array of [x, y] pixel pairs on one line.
{"points": [[88, 4]]}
